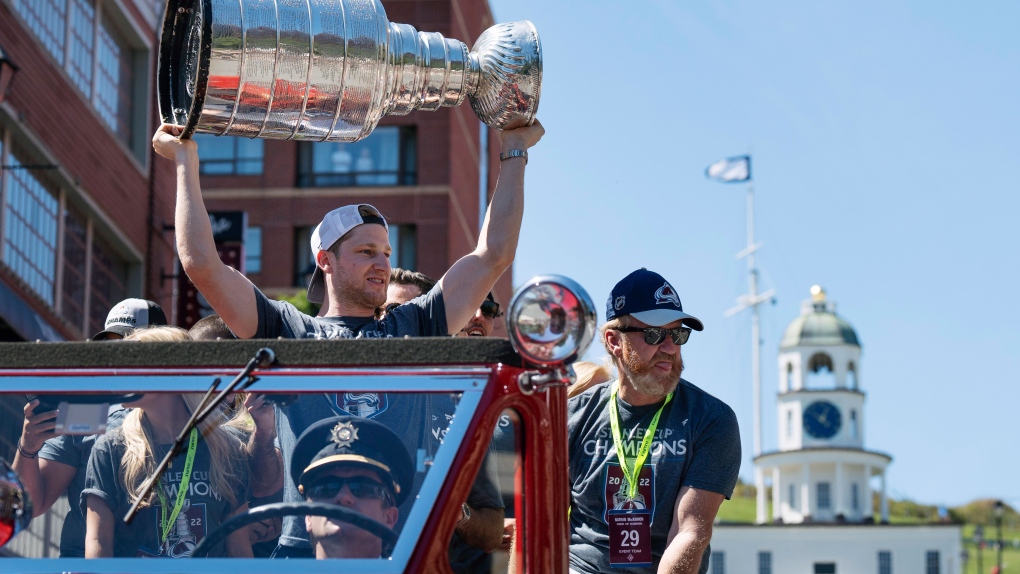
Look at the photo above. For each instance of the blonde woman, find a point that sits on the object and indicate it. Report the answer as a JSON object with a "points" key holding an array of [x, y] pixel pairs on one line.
{"points": [[190, 500], [588, 375]]}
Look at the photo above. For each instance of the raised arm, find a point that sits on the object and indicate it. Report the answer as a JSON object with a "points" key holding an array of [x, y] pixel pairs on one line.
{"points": [[472, 276], [45, 480], [227, 290], [691, 530]]}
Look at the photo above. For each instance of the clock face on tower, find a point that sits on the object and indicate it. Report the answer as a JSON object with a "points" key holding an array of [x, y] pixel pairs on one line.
{"points": [[822, 419]]}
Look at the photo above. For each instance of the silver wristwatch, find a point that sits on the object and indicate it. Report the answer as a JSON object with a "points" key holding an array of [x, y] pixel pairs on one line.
{"points": [[514, 153]]}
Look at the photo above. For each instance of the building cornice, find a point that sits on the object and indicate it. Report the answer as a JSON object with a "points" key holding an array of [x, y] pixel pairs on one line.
{"points": [[323, 192]]}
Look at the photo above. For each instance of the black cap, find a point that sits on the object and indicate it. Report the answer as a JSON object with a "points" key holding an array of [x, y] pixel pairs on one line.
{"points": [[649, 298], [353, 441], [131, 314]]}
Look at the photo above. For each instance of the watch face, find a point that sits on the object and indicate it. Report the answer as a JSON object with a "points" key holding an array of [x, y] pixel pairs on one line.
{"points": [[822, 419]]}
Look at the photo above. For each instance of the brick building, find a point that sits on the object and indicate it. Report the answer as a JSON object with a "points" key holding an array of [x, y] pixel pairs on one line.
{"points": [[83, 204]]}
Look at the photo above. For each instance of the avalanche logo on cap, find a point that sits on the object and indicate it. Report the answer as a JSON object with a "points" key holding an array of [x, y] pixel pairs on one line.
{"points": [[666, 294]]}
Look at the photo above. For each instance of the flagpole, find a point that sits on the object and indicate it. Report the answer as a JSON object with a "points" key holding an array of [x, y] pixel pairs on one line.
{"points": [[751, 299], [752, 296]]}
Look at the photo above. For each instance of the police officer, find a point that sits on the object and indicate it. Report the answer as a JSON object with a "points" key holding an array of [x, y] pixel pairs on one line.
{"points": [[358, 464]]}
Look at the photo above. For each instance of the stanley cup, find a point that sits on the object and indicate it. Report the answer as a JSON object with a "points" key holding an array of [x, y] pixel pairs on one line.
{"points": [[329, 70]]}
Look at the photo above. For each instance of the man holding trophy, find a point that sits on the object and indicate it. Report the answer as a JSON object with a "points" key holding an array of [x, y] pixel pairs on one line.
{"points": [[205, 86]]}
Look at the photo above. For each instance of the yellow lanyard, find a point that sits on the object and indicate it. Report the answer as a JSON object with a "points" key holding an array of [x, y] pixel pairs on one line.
{"points": [[632, 474], [182, 491]]}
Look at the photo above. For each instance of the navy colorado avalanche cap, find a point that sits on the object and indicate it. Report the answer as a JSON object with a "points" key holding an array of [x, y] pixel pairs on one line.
{"points": [[649, 298]]}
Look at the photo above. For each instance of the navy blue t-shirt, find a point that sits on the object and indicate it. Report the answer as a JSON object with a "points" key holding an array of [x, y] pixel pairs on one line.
{"points": [[696, 444]]}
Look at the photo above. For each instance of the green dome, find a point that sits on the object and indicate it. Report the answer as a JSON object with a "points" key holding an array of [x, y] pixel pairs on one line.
{"points": [[819, 325]]}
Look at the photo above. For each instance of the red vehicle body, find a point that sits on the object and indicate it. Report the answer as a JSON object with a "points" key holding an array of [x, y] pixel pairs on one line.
{"points": [[499, 379]]}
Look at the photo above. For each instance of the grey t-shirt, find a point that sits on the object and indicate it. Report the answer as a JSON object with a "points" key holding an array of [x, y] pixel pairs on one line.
{"points": [[74, 451], [204, 508], [423, 316], [696, 444]]}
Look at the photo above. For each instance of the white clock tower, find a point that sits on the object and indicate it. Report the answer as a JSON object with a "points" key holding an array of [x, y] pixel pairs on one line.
{"points": [[821, 471]]}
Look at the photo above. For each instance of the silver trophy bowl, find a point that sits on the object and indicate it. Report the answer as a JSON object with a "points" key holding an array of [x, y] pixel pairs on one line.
{"points": [[329, 70]]}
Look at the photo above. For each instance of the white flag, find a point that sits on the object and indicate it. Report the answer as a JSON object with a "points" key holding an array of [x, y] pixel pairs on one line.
{"points": [[730, 169]]}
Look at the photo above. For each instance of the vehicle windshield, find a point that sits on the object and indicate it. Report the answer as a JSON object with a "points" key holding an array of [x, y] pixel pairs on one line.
{"points": [[115, 425]]}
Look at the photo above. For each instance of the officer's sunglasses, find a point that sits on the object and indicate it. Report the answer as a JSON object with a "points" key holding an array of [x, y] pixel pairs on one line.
{"points": [[490, 309], [656, 335], [327, 487]]}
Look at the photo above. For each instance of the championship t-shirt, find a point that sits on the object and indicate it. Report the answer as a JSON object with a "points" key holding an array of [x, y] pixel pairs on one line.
{"points": [[696, 444], [203, 510], [74, 451]]}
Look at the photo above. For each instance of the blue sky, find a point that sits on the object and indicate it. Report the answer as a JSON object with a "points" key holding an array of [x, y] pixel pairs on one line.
{"points": [[885, 144]]}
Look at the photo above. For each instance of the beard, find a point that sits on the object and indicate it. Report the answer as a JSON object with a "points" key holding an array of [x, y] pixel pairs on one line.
{"points": [[353, 292], [645, 378]]}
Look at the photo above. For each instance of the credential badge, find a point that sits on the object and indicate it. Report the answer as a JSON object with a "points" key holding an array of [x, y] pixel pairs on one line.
{"points": [[344, 434], [666, 294]]}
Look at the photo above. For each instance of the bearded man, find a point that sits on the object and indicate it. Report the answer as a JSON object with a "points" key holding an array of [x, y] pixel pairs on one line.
{"points": [[652, 455]]}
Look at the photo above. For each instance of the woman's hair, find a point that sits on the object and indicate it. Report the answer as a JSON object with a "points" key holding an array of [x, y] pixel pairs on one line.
{"points": [[159, 334], [589, 375], [226, 450]]}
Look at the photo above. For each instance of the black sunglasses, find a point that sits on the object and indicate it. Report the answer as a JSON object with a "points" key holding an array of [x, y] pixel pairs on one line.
{"points": [[490, 309], [656, 335], [360, 486]]}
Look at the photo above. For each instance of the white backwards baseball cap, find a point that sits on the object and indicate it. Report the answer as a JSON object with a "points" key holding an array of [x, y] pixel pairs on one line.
{"points": [[335, 225]]}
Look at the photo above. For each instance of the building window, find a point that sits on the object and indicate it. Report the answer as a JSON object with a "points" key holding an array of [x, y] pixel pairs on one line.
{"points": [[404, 242], [764, 562], [72, 306], [851, 376], [105, 65], [789, 376], [47, 19], [39, 230], [884, 562], [853, 423], [718, 563], [108, 286], [81, 44], [931, 562], [387, 157], [789, 423], [229, 155], [821, 374], [823, 496], [855, 499], [253, 250], [793, 496], [825, 568], [113, 80], [30, 229]]}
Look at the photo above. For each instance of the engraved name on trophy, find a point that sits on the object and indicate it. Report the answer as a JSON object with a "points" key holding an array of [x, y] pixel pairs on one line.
{"points": [[329, 70]]}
